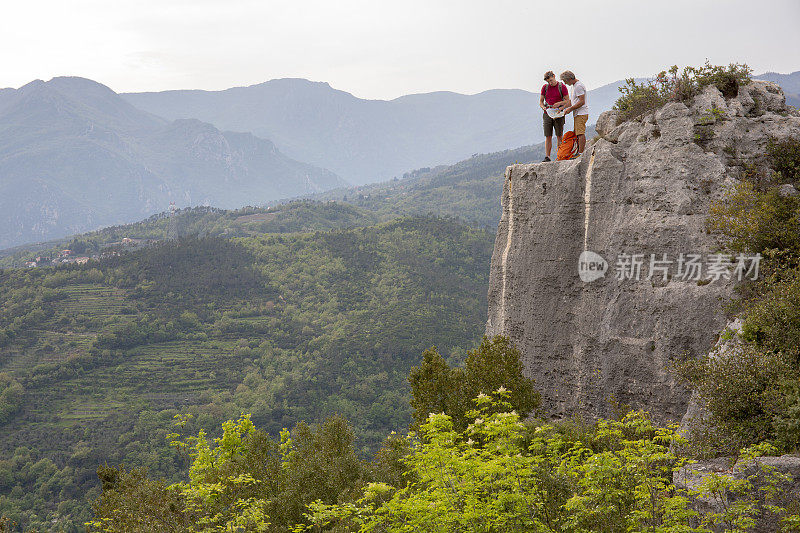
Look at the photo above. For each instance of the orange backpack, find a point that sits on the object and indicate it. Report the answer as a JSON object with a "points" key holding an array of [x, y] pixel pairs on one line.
{"points": [[568, 147]]}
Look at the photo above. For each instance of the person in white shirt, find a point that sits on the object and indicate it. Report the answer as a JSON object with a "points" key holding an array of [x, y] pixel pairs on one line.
{"points": [[578, 106]]}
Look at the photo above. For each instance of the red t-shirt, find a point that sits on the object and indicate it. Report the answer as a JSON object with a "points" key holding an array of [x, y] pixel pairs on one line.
{"points": [[551, 94]]}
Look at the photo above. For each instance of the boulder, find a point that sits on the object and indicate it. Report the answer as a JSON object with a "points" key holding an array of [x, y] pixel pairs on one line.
{"points": [[607, 121], [787, 190]]}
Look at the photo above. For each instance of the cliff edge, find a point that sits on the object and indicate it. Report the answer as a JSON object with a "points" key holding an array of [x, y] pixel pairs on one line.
{"points": [[653, 284]]}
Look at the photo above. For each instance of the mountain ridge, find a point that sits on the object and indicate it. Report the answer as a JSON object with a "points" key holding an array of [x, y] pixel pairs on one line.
{"points": [[370, 140], [75, 156], [364, 141]]}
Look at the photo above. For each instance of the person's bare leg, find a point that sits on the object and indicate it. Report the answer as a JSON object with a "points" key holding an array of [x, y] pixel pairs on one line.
{"points": [[548, 145], [558, 138], [581, 143]]}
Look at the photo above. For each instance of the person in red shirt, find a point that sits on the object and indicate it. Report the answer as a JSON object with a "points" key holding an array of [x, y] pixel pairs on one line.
{"points": [[554, 94]]}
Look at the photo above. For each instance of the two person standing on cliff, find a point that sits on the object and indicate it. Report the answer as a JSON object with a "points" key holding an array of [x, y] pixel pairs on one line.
{"points": [[552, 96]]}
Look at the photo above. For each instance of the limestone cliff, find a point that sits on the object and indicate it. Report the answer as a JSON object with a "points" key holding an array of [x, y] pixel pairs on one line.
{"points": [[642, 187]]}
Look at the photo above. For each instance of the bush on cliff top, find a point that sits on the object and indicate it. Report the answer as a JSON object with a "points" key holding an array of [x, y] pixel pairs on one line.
{"points": [[753, 221], [672, 86]]}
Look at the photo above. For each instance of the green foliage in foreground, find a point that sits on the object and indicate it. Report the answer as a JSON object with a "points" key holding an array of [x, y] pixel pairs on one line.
{"points": [[250, 476], [640, 98], [498, 475], [246, 480], [503, 476]]}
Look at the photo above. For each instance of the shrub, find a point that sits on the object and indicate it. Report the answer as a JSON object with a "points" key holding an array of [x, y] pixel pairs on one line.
{"points": [[787, 420], [784, 158], [639, 98], [773, 320], [726, 79], [739, 388], [749, 220]]}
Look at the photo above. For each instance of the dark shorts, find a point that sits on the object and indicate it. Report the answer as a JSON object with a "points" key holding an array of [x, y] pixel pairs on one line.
{"points": [[550, 123]]}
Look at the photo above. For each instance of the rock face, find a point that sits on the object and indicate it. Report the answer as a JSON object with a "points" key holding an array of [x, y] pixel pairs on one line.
{"points": [[643, 187]]}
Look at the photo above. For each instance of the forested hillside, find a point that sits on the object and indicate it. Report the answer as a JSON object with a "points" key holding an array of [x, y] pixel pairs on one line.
{"points": [[96, 359], [468, 190], [200, 221]]}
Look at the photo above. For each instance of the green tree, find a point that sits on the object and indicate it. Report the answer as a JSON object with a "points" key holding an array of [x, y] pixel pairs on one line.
{"points": [[496, 364], [243, 480], [11, 397], [438, 388], [321, 465], [435, 387], [131, 501]]}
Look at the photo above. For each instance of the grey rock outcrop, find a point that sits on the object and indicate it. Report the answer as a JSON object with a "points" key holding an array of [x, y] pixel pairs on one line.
{"points": [[780, 472], [642, 187]]}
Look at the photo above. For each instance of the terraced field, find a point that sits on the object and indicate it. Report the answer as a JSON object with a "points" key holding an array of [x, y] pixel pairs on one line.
{"points": [[94, 300], [158, 376], [54, 341]]}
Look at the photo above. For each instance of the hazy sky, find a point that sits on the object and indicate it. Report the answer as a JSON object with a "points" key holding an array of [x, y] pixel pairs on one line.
{"points": [[377, 49]]}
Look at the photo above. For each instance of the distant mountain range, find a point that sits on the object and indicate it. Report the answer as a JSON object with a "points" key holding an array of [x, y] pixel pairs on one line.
{"points": [[366, 141], [74, 156]]}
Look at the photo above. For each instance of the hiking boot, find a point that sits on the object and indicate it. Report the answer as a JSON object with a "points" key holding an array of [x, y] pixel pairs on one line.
{"points": [[545, 160]]}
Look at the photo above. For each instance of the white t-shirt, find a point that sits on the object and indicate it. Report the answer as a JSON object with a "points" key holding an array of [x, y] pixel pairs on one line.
{"points": [[578, 89]]}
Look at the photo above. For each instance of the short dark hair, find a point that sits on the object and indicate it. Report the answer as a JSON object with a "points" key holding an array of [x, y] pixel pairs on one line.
{"points": [[549, 74]]}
